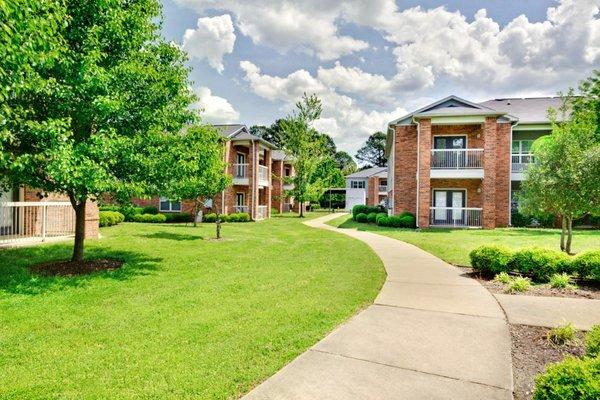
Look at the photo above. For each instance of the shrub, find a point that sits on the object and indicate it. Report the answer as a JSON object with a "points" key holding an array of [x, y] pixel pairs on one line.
{"points": [[571, 379], [519, 220], [587, 264], [503, 277], [382, 220], [178, 217], [150, 218], [538, 263], [130, 211], [224, 218], [362, 209], [274, 211], [372, 217], [110, 218], [518, 285], [243, 217], [408, 221], [212, 217], [490, 259], [592, 342], [561, 281], [362, 217], [150, 210], [109, 208], [233, 217], [561, 334]]}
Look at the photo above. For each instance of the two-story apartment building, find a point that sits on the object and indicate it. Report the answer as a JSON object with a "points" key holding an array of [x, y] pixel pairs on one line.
{"points": [[258, 171], [367, 186], [457, 163]]}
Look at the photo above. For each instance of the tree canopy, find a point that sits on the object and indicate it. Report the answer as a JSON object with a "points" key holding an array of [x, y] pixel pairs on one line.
{"points": [[372, 153]]}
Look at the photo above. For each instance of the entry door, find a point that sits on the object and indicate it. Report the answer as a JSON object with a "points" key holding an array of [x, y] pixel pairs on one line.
{"points": [[454, 199], [241, 168], [239, 199]]}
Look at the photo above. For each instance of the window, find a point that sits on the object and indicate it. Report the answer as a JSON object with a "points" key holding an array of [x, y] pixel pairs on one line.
{"points": [[357, 184], [521, 146], [288, 171], [167, 205]]}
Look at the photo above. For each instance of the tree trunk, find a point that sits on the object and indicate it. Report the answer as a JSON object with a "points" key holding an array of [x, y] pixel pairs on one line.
{"points": [[218, 223], [79, 231], [195, 216], [301, 209], [569, 235], [563, 233]]}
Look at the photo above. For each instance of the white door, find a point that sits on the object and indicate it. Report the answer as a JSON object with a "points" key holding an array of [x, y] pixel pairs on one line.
{"points": [[355, 197], [440, 200], [457, 203]]}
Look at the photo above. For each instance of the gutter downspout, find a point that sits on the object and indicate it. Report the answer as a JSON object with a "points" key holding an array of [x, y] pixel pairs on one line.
{"points": [[509, 175], [418, 169]]}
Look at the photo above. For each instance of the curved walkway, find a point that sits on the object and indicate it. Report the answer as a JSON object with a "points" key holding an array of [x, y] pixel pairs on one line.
{"points": [[431, 334]]}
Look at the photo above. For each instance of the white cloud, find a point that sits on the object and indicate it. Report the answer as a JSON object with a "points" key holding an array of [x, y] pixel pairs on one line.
{"points": [[215, 109], [211, 40]]}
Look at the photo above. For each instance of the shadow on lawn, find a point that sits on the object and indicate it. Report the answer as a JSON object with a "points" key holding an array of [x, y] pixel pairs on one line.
{"points": [[170, 236], [16, 278]]}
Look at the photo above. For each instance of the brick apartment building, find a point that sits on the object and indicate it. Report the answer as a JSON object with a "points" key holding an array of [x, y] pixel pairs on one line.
{"points": [[258, 170], [458, 163]]}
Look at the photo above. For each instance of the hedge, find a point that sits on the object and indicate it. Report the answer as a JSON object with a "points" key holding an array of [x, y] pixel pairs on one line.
{"points": [[372, 217], [236, 217], [592, 342], [150, 218], [179, 217], [491, 259], [127, 211], [404, 220], [539, 263], [362, 209], [361, 217], [150, 210], [571, 379], [110, 218], [587, 264]]}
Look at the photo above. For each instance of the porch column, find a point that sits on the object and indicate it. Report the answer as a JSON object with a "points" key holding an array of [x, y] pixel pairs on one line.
{"points": [[269, 186], [424, 172], [253, 179], [490, 140]]}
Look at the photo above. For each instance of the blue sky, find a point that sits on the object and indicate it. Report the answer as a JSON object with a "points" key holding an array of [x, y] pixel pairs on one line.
{"points": [[371, 61]]}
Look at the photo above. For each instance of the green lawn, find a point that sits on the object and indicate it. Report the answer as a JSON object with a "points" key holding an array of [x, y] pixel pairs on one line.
{"points": [[454, 245], [186, 317]]}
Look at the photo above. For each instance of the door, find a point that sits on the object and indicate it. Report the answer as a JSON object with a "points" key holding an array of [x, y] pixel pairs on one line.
{"points": [[240, 171], [449, 206], [240, 202], [449, 158]]}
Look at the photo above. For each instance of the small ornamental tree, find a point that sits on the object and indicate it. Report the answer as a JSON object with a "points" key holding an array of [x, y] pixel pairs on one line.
{"points": [[197, 168], [564, 178], [307, 147], [110, 89]]}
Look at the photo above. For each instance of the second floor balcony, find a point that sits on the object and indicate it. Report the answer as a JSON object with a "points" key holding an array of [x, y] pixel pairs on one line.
{"points": [[520, 162], [457, 163], [263, 176]]}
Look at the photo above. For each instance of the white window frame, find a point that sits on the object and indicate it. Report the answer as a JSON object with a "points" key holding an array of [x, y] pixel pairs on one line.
{"points": [[162, 200], [359, 184]]}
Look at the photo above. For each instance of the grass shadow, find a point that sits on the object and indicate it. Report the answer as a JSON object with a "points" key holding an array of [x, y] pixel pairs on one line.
{"points": [[16, 278], [171, 236]]}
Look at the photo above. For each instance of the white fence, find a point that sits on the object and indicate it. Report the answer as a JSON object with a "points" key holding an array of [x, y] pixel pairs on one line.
{"points": [[240, 170], [455, 217], [263, 174], [520, 162], [382, 188], [240, 209], [262, 212], [456, 158], [35, 221]]}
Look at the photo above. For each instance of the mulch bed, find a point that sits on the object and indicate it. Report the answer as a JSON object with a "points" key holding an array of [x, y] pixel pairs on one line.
{"points": [[531, 352], [70, 268], [584, 290]]}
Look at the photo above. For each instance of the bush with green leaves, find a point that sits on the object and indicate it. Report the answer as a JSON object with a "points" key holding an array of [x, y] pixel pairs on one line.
{"points": [[372, 217], [503, 277], [362, 217], [238, 217], [561, 334], [110, 218], [362, 209], [179, 217], [587, 265], [212, 217], [561, 281], [490, 259], [407, 220], [150, 218], [538, 263], [519, 284], [571, 379], [150, 210], [592, 342]]}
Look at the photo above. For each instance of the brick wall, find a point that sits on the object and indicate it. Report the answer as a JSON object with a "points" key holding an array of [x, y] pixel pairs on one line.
{"points": [[425, 138], [373, 191], [503, 164], [277, 197], [490, 159], [405, 169], [471, 131]]}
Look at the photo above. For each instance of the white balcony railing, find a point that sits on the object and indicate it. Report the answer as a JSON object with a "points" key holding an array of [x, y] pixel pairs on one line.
{"points": [[455, 217], [456, 158], [520, 162], [240, 170], [263, 174], [240, 209], [383, 188], [262, 212], [35, 221]]}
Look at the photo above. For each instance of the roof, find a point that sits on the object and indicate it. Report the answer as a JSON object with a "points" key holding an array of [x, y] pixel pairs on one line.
{"points": [[457, 110], [527, 110], [280, 155], [241, 132], [369, 172]]}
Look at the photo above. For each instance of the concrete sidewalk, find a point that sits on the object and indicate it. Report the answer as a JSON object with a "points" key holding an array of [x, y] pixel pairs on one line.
{"points": [[431, 334]]}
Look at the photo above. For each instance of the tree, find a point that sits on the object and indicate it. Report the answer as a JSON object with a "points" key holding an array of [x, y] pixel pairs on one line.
{"points": [[345, 163], [373, 151], [196, 168], [111, 90], [273, 134], [307, 147], [564, 178]]}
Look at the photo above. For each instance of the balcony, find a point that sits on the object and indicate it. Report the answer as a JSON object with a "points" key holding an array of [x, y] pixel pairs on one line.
{"points": [[240, 209], [382, 188], [456, 163], [288, 186], [455, 217], [519, 164], [240, 174], [263, 176], [262, 212], [30, 222]]}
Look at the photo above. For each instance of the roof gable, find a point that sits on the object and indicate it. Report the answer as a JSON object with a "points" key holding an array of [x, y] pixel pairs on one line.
{"points": [[450, 103]]}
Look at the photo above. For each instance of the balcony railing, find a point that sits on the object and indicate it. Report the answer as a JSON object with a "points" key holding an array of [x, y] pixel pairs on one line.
{"points": [[455, 217], [456, 158], [263, 174], [520, 162], [262, 212], [383, 188], [240, 209], [240, 170], [35, 221]]}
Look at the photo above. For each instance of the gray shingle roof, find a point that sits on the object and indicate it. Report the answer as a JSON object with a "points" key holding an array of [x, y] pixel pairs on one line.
{"points": [[366, 173], [240, 132], [229, 130], [527, 110], [279, 155]]}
